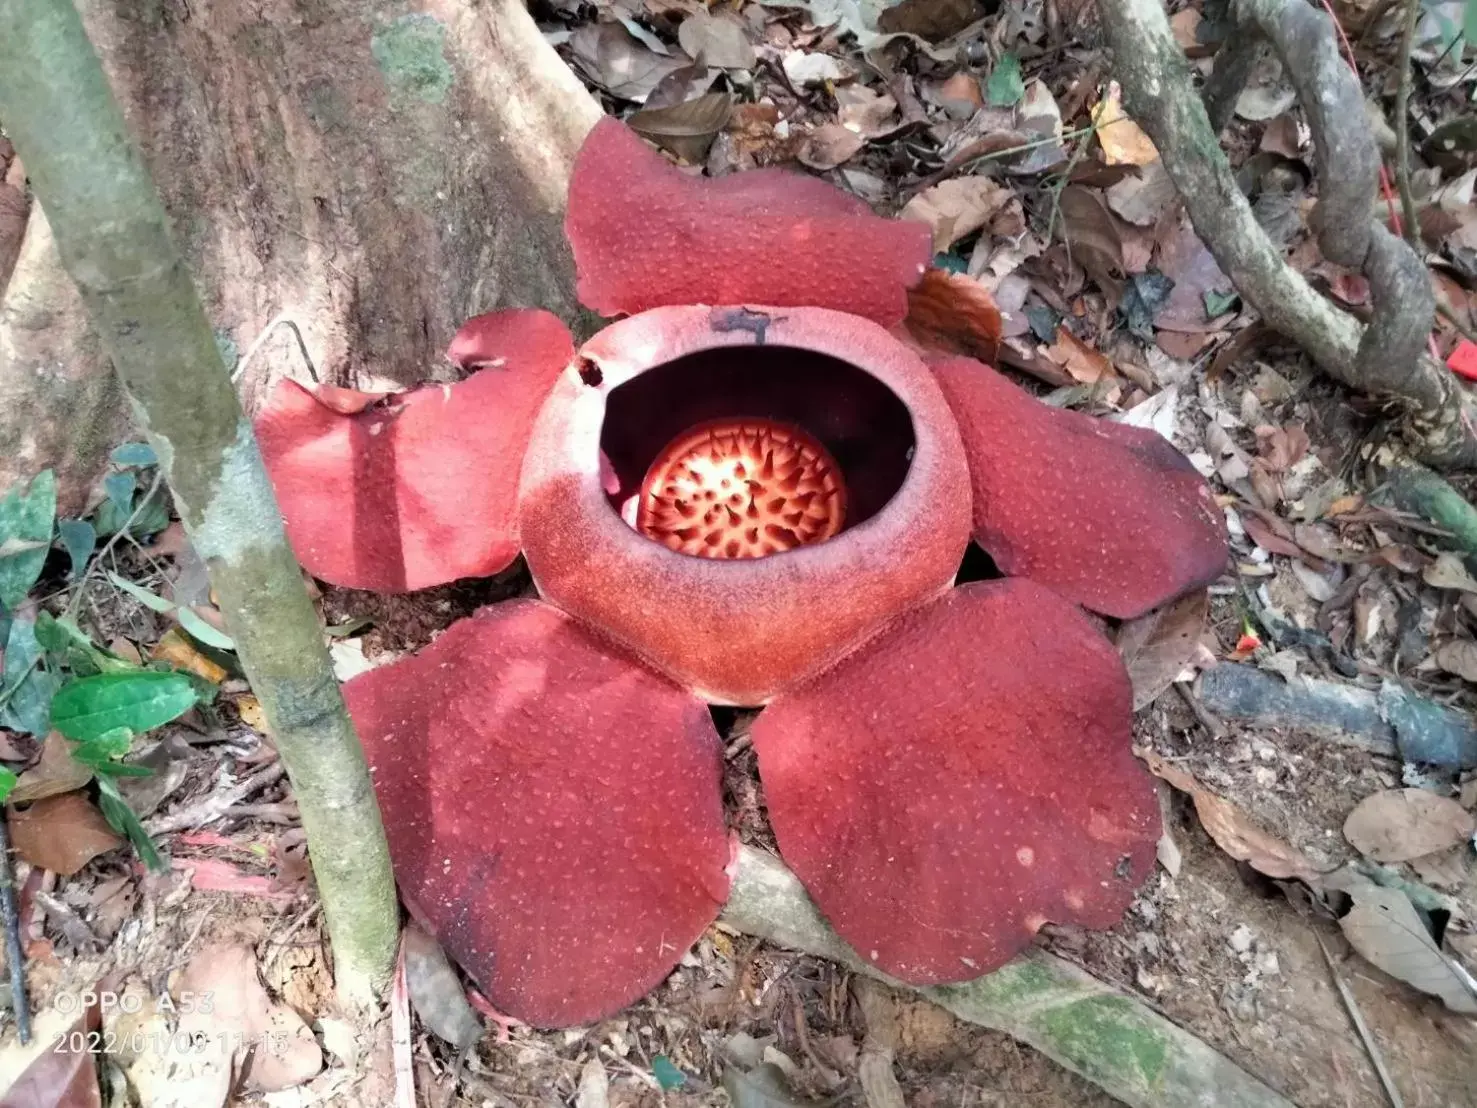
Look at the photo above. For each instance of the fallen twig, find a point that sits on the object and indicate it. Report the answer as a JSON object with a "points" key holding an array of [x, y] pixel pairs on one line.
{"points": [[217, 804], [1352, 1007], [15, 955], [1107, 1036]]}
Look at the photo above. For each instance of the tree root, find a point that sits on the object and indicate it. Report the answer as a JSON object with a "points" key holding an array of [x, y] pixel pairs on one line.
{"points": [[1417, 489], [1388, 358], [1108, 1037]]}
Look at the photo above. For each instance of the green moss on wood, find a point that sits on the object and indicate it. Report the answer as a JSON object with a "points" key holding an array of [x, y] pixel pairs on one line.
{"points": [[410, 52]]}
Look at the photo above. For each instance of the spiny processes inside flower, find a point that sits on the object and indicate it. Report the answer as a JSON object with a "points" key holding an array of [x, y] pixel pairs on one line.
{"points": [[741, 488]]}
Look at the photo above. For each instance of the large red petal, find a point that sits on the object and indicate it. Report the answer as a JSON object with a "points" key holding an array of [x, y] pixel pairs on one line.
{"points": [[421, 488], [1108, 515], [554, 811], [646, 235], [962, 780]]}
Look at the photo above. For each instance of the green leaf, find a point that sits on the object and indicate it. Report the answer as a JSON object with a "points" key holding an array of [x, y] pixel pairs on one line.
{"points": [[79, 537], [66, 643], [143, 595], [92, 706], [7, 783], [204, 632], [120, 769], [1218, 303], [668, 1076], [110, 744], [136, 454], [26, 689], [152, 517], [120, 488], [1005, 86], [122, 819], [1469, 23], [26, 518]]}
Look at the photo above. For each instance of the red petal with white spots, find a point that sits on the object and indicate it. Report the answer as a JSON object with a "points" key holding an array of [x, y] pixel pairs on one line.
{"points": [[961, 780], [646, 235], [554, 810], [421, 487], [1110, 516]]}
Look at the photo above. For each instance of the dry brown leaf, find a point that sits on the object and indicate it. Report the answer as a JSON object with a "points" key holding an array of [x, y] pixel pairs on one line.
{"points": [[1142, 198], [1233, 830], [249, 708], [932, 20], [828, 146], [961, 95], [612, 58], [55, 773], [1282, 447], [955, 313], [283, 1052], [14, 211], [957, 207], [717, 39], [1458, 656], [1383, 927], [61, 833], [1267, 536], [1093, 233], [867, 113], [1158, 647], [1121, 140], [1183, 25], [176, 649], [1086, 364], [1186, 261], [62, 1072], [686, 129], [1400, 824], [1448, 572], [1281, 137]]}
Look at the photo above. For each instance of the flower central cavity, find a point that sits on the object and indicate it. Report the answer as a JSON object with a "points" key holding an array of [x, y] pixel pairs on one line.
{"points": [[741, 488]]}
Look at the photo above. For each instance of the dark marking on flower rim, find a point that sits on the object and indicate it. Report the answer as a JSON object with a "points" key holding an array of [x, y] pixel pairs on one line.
{"points": [[590, 373], [741, 319]]}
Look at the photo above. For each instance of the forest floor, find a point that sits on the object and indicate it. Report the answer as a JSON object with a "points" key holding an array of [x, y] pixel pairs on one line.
{"points": [[979, 122]]}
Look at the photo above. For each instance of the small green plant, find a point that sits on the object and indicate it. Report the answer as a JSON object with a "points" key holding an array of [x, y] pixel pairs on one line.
{"points": [[54, 676]]}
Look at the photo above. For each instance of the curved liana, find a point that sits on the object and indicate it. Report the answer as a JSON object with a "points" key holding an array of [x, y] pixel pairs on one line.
{"points": [[1110, 516], [961, 780], [553, 809]]}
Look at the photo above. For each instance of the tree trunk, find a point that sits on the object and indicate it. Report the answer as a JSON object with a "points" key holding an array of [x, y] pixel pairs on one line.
{"points": [[374, 171]]}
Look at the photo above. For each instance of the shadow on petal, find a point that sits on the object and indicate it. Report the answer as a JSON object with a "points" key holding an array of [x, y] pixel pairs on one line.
{"points": [[419, 488], [554, 811], [646, 235], [1110, 516], [961, 780]]}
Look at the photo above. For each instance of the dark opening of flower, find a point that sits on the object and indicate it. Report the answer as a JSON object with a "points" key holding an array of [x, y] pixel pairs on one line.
{"points": [[809, 446], [741, 488]]}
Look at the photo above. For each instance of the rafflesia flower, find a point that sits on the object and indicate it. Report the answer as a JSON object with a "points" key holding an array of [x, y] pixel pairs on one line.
{"points": [[751, 490]]}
